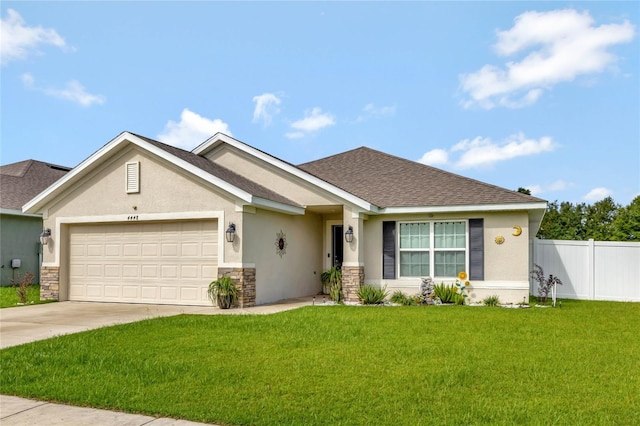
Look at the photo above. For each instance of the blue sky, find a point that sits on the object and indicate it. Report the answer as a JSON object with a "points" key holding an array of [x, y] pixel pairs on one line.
{"points": [[543, 95]]}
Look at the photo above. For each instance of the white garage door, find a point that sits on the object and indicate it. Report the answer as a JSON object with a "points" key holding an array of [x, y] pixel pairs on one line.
{"points": [[155, 262]]}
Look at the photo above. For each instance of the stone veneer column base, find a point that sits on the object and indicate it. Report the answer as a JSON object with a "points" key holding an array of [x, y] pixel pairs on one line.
{"points": [[352, 280], [50, 283], [245, 279]]}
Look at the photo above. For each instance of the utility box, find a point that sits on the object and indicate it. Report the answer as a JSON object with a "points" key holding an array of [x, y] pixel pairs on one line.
{"points": [[16, 263]]}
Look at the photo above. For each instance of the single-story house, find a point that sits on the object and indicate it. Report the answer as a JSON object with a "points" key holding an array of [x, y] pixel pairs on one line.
{"points": [[141, 221], [20, 251]]}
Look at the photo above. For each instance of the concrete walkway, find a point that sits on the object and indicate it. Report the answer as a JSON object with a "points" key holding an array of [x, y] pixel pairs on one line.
{"points": [[30, 323]]}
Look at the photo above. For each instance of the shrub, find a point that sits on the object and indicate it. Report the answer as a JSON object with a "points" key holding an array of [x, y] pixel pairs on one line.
{"points": [[446, 293], [372, 295], [492, 300], [402, 299], [21, 284], [544, 284], [223, 292], [335, 292], [329, 278]]}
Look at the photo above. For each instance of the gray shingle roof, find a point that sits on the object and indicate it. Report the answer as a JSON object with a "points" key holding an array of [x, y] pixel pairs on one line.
{"points": [[222, 172], [20, 182], [388, 181]]}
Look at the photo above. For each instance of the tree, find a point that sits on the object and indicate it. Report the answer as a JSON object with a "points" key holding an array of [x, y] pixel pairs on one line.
{"points": [[626, 225], [563, 222], [599, 218], [524, 191]]}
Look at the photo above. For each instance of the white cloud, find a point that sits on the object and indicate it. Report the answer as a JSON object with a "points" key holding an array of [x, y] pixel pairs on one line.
{"points": [[294, 135], [313, 121], [192, 130], [535, 189], [18, 41], [597, 194], [481, 152], [484, 152], [379, 112], [435, 157], [266, 108], [73, 91], [559, 185], [561, 45]]}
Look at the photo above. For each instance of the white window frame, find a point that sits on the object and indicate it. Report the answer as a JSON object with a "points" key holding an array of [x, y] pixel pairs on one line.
{"points": [[432, 249]]}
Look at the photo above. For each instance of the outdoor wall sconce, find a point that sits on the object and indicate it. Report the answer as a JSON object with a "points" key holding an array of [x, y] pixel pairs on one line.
{"points": [[348, 236], [231, 233], [44, 237]]}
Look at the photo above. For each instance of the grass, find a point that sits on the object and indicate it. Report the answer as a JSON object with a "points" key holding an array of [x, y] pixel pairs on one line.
{"points": [[351, 365], [9, 298]]}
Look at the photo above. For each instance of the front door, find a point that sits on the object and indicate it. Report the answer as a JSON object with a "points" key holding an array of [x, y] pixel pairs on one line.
{"points": [[337, 248]]}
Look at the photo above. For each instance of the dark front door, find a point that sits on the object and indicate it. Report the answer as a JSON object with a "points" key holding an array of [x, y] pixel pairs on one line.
{"points": [[336, 245]]}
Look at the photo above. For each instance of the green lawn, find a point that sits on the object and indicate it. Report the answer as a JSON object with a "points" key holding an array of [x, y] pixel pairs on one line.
{"points": [[579, 364], [9, 298]]}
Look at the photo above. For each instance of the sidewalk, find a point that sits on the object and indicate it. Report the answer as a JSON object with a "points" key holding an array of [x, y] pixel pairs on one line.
{"points": [[20, 411], [30, 323]]}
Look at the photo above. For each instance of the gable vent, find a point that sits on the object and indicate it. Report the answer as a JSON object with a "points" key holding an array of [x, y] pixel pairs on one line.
{"points": [[133, 177]]}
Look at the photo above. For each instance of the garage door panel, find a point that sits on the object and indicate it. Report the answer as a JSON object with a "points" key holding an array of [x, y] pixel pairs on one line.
{"points": [[143, 262], [149, 271], [131, 249]]}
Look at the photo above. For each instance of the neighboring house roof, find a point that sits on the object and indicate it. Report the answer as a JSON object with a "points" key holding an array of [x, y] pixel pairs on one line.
{"points": [[388, 181], [20, 182]]}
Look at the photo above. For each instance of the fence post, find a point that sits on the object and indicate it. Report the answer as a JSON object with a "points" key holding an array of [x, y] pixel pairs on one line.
{"points": [[592, 269]]}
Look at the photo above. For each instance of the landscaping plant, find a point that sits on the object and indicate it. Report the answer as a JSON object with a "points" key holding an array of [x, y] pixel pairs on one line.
{"points": [[330, 278], [21, 285], [493, 300], [545, 284], [372, 295], [402, 299], [223, 292], [445, 292]]}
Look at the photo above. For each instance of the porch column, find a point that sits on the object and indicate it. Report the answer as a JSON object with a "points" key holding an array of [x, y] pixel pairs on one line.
{"points": [[50, 283], [353, 261]]}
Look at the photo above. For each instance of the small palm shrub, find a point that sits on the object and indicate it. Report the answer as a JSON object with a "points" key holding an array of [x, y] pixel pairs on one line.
{"points": [[493, 300], [372, 295], [446, 293]]}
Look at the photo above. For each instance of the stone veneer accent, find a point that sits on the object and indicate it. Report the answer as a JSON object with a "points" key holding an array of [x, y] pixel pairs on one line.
{"points": [[50, 283], [245, 279], [352, 280]]}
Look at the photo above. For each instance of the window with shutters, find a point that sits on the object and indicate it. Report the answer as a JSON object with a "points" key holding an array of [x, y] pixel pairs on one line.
{"points": [[435, 249], [133, 177]]}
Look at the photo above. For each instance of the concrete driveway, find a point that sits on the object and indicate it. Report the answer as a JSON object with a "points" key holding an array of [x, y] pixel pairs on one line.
{"points": [[30, 323]]}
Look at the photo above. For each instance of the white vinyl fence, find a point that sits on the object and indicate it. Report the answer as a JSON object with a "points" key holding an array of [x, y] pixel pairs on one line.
{"points": [[590, 270]]}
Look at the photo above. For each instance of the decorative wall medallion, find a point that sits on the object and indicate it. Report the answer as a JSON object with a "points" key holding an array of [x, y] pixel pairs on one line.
{"points": [[499, 239], [281, 243], [517, 231]]}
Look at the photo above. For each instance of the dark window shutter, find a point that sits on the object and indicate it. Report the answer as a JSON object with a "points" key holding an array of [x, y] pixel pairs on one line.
{"points": [[389, 250], [476, 249]]}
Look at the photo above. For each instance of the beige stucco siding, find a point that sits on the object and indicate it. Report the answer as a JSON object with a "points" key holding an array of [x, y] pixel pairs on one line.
{"points": [[297, 272], [271, 177], [505, 265]]}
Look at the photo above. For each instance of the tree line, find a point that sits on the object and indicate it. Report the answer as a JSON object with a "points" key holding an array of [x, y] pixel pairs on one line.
{"points": [[603, 220]]}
